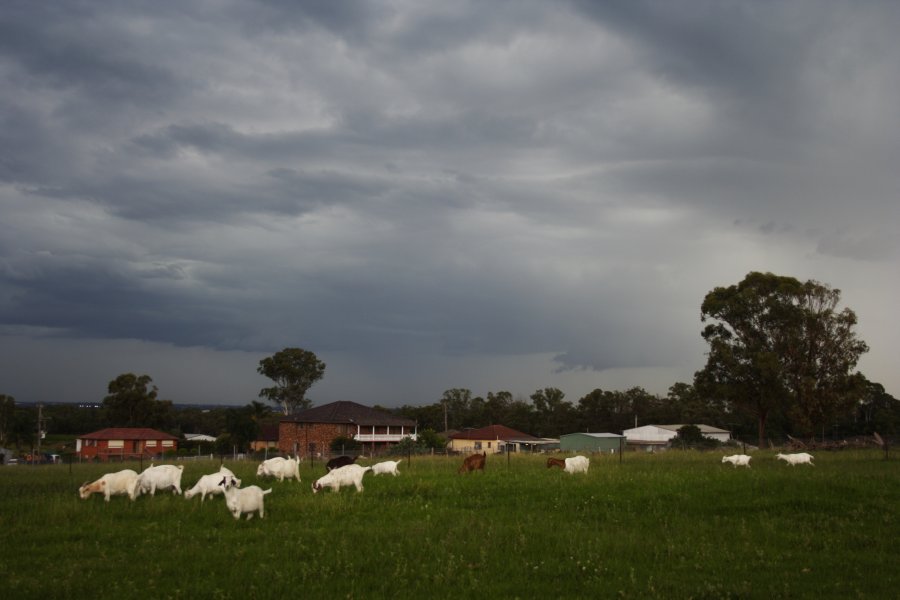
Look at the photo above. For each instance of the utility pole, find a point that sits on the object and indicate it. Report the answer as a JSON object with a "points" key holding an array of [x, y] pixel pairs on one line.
{"points": [[39, 428]]}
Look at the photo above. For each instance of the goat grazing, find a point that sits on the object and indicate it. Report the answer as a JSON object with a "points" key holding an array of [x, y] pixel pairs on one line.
{"points": [[209, 484], [801, 458], [738, 460], [246, 500], [342, 476], [160, 477], [111, 484], [474, 462], [388, 466], [280, 467], [572, 465], [340, 461]]}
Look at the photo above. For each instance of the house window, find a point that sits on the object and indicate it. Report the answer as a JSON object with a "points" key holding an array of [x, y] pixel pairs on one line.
{"points": [[167, 443], [478, 445], [151, 443], [115, 444], [489, 444]]}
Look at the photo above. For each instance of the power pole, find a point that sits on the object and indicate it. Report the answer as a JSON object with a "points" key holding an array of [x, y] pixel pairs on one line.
{"points": [[39, 430]]}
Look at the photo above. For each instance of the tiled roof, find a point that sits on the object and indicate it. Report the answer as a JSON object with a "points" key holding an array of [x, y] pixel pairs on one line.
{"points": [[344, 411], [127, 433], [268, 433], [492, 432]]}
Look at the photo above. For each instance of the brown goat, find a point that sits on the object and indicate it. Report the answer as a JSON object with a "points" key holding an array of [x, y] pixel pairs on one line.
{"points": [[556, 462], [474, 462]]}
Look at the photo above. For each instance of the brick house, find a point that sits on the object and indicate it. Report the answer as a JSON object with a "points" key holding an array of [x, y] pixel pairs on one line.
{"points": [[267, 438], [310, 432], [121, 443]]}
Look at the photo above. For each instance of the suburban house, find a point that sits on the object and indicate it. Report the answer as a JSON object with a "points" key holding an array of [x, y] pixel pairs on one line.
{"points": [[494, 439], [658, 437], [592, 442], [267, 438], [310, 432], [120, 443]]}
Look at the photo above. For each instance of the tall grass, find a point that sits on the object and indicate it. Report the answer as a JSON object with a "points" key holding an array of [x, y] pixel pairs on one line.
{"points": [[675, 525]]}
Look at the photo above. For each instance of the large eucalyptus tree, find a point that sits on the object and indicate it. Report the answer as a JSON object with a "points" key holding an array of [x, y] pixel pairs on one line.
{"points": [[778, 343], [294, 371]]}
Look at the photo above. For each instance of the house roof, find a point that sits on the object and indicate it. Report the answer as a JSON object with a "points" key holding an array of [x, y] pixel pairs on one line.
{"points": [[268, 433], [702, 428], [675, 428], [344, 411], [127, 433], [493, 432], [595, 435]]}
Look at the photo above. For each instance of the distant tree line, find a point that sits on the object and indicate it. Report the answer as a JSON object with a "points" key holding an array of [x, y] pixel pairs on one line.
{"points": [[547, 414]]}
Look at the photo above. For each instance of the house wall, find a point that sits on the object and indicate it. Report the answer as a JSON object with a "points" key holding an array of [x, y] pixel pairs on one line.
{"points": [[260, 445], [315, 438], [310, 438], [89, 449], [471, 446], [651, 433]]}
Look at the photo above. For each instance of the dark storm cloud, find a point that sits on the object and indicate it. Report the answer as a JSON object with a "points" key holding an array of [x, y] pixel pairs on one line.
{"points": [[417, 183]]}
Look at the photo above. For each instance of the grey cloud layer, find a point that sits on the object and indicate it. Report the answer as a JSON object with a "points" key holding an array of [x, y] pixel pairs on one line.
{"points": [[416, 177]]}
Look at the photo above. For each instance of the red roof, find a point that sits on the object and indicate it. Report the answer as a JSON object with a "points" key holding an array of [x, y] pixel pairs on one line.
{"points": [[492, 432], [127, 433]]}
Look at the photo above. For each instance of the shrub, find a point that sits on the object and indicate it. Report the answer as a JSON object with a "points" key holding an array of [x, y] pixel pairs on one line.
{"points": [[344, 445], [690, 436]]}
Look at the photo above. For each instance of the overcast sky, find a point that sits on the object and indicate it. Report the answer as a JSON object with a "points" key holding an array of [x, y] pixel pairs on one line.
{"points": [[431, 195]]}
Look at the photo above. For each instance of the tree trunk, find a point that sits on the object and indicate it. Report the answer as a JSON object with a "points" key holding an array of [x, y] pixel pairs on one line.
{"points": [[762, 430]]}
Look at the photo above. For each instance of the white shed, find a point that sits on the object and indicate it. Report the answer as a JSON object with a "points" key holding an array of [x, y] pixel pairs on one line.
{"points": [[650, 437]]}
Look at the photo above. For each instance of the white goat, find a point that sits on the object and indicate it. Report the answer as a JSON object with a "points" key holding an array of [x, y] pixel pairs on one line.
{"points": [[343, 476], [111, 484], [388, 466], [577, 464], [160, 477], [571, 465], [246, 500], [280, 467], [209, 484], [738, 460], [800, 458]]}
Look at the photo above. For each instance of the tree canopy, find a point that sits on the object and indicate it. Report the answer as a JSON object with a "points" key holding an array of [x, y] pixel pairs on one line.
{"points": [[294, 371], [132, 402], [778, 344], [7, 414]]}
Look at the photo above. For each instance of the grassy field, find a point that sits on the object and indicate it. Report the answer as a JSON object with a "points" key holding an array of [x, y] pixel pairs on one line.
{"points": [[673, 525]]}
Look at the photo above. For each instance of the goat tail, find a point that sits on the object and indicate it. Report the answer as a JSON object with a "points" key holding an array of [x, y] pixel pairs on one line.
{"points": [[268, 491]]}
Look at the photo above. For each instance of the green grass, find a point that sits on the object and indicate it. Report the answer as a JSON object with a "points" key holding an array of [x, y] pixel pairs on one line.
{"points": [[675, 525]]}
